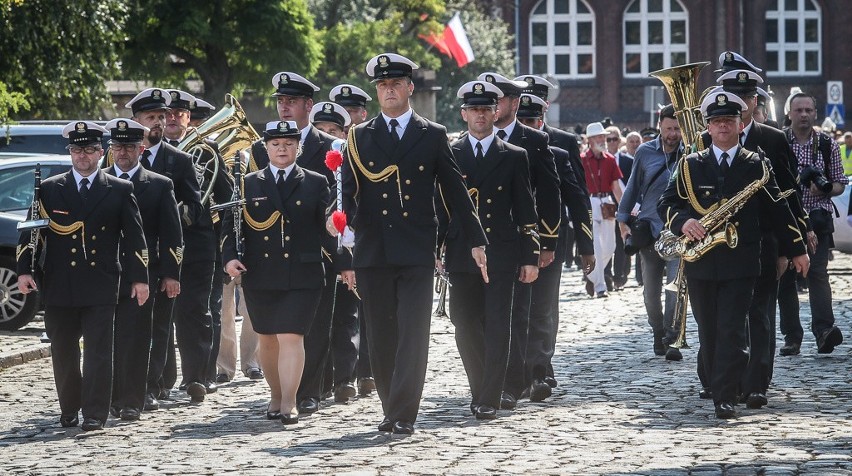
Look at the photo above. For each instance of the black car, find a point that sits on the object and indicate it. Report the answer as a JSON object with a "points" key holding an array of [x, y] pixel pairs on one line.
{"points": [[16, 194]]}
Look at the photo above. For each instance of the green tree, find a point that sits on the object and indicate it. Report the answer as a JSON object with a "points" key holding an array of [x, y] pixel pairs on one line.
{"points": [[57, 55], [229, 45]]}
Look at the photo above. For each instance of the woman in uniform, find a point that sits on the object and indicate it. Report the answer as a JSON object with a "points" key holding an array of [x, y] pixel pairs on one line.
{"points": [[282, 271]]}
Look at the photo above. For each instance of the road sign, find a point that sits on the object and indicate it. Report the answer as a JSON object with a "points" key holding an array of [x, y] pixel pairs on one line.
{"points": [[836, 113], [835, 92]]}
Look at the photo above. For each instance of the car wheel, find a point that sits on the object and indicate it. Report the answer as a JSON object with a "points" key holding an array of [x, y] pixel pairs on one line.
{"points": [[16, 309]]}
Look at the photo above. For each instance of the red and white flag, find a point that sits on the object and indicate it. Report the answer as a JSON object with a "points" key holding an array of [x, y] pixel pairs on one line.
{"points": [[453, 42]]}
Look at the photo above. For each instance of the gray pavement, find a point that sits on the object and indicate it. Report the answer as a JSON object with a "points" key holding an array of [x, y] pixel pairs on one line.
{"points": [[618, 410]]}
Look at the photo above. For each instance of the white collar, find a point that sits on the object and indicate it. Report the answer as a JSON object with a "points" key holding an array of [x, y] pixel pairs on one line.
{"points": [[745, 131], [78, 177], [486, 142], [402, 119], [304, 134], [154, 149], [732, 152], [508, 129], [130, 172], [287, 170]]}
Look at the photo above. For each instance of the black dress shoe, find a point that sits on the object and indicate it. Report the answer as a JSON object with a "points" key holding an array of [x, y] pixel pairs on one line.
{"points": [[473, 408], [673, 354], [756, 400], [91, 424], [196, 391], [211, 387], [609, 285], [255, 374], [69, 420], [115, 411], [705, 394], [725, 410], [273, 415], [308, 405], [403, 428], [183, 386], [551, 381], [366, 386], [343, 392], [151, 403], [659, 346], [386, 425], [539, 390], [828, 340], [222, 378], [129, 414], [289, 418], [486, 412], [790, 348], [508, 401]]}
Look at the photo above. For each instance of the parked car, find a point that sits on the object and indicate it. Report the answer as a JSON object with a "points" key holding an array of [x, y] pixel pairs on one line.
{"points": [[41, 138], [16, 194]]}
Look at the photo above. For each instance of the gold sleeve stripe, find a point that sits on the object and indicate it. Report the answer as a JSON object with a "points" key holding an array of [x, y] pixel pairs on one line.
{"points": [[19, 250], [143, 257], [551, 231], [443, 200], [178, 253], [586, 230]]}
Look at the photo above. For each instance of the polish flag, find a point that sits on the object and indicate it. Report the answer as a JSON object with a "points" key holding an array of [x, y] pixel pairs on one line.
{"points": [[456, 40]]}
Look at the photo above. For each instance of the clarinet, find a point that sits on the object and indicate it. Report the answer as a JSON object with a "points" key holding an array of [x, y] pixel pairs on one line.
{"points": [[236, 203], [35, 211]]}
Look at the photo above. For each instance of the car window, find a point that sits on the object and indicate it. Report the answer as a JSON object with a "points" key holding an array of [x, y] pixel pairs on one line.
{"points": [[34, 144], [16, 185]]}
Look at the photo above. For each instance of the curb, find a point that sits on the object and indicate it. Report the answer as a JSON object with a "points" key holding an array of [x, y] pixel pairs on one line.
{"points": [[11, 359]]}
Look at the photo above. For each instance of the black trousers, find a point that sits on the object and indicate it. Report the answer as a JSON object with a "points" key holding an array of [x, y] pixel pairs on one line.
{"points": [[516, 372], [316, 343], [819, 293], [133, 327], [193, 323], [90, 390], [363, 368], [161, 336], [482, 316], [398, 310], [721, 311], [215, 320], [761, 322], [621, 261], [344, 335], [544, 314]]}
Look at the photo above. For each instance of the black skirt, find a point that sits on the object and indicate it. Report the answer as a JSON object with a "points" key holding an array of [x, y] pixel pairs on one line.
{"points": [[282, 311]]}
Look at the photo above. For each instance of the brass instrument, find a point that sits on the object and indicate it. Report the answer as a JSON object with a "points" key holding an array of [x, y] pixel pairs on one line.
{"points": [[681, 85], [442, 284]]}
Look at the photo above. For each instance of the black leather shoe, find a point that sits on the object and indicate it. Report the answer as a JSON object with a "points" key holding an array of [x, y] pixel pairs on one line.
{"points": [[673, 354], [403, 428], [289, 418], [308, 405], [344, 392], [486, 412], [255, 374], [508, 401], [115, 411], [756, 400], [151, 403], [386, 425], [273, 415], [828, 340], [196, 391], [659, 346], [211, 387], [539, 390], [609, 286], [790, 348], [725, 410], [69, 420], [92, 424], [130, 414], [183, 386], [366, 386], [551, 381], [705, 394], [222, 378], [473, 408]]}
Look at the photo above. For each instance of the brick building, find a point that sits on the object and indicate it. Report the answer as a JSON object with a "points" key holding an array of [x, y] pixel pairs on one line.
{"points": [[601, 51]]}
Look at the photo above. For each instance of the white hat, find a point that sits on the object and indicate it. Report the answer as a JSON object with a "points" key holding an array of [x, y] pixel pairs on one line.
{"points": [[349, 95], [479, 93], [508, 86], [595, 129], [390, 65], [149, 99], [292, 84], [327, 111]]}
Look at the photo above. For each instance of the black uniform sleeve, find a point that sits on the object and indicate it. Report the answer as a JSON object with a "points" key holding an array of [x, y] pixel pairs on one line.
{"points": [[523, 210], [187, 192], [455, 192], [171, 235], [134, 236], [790, 241], [576, 199], [545, 179]]}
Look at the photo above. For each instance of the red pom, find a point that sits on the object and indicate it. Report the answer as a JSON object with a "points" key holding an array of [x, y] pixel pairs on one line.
{"points": [[338, 218], [333, 160]]}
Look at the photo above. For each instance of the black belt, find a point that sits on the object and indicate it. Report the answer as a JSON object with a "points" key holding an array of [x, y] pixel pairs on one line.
{"points": [[599, 195]]}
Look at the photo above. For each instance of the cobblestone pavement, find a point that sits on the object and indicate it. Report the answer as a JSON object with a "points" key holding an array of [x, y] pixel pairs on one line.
{"points": [[618, 410]]}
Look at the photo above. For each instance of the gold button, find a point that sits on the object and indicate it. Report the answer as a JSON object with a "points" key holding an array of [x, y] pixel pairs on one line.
{"points": [[103, 228], [73, 250], [94, 237], [488, 230], [266, 255], [407, 197], [73, 263], [384, 195], [386, 180], [286, 238], [407, 182], [372, 163], [256, 203], [422, 168], [488, 216], [286, 255], [94, 251], [405, 214], [265, 238], [298, 202], [384, 212], [73, 237], [500, 187], [92, 263], [488, 201]]}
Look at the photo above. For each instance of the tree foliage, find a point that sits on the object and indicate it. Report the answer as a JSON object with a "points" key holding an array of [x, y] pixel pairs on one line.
{"points": [[57, 55], [229, 45]]}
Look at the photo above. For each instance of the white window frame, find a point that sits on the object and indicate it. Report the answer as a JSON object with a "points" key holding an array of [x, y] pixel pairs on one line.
{"points": [[781, 47], [551, 50], [643, 48]]}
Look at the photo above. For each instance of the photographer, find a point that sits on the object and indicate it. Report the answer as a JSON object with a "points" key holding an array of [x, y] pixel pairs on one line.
{"points": [[652, 167], [820, 177]]}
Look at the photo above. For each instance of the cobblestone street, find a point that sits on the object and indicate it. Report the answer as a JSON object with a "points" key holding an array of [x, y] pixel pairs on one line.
{"points": [[618, 409]]}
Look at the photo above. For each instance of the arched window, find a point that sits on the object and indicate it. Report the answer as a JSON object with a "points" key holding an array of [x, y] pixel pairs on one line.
{"points": [[793, 31], [562, 39], [655, 36]]}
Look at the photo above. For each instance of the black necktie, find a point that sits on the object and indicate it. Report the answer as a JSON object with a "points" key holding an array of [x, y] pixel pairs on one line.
{"points": [[280, 183], [124, 176], [173, 142], [501, 134], [479, 155], [742, 138], [724, 163], [84, 189], [393, 125], [145, 159]]}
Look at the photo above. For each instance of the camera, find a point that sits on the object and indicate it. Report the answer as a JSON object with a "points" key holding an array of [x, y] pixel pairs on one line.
{"points": [[811, 174]]}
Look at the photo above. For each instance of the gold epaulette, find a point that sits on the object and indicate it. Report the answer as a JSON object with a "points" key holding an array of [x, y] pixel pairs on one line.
{"points": [[262, 225]]}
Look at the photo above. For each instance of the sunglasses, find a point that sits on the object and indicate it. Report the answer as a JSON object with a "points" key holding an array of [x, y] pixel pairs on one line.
{"points": [[613, 139]]}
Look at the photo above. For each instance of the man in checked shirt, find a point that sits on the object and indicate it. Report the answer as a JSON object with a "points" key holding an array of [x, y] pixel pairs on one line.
{"points": [[821, 177]]}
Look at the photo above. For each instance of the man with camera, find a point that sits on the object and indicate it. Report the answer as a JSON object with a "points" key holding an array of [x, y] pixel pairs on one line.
{"points": [[652, 168], [820, 178]]}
